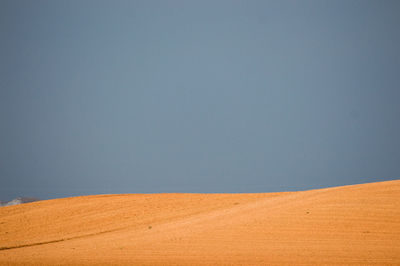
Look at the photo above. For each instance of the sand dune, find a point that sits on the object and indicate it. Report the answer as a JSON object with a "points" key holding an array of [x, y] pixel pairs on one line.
{"points": [[357, 224]]}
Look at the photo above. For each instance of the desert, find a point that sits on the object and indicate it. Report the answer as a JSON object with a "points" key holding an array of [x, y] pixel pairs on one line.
{"points": [[351, 225]]}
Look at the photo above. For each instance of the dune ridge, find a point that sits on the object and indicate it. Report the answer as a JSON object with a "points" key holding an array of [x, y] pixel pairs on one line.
{"points": [[353, 225]]}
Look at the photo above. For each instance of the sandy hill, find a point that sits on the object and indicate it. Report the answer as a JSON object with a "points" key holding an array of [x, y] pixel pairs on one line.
{"points": [[357, 224]]}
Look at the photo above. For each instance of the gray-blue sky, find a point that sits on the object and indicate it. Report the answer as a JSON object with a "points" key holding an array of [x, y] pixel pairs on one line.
{"points": [[197, 96]]}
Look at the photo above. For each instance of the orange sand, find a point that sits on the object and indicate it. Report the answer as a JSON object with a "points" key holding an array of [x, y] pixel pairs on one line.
{"points": [[357, 224]]}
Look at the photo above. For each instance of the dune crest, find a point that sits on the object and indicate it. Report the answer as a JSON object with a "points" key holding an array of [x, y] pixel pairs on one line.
{"points": [[358, 224]]}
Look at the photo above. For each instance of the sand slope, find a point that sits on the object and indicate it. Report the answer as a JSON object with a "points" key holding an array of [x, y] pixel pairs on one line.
{"points": [[357, 225]]}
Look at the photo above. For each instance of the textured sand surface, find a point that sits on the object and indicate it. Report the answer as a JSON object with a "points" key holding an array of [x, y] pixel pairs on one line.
{"points": [[357, 224]]}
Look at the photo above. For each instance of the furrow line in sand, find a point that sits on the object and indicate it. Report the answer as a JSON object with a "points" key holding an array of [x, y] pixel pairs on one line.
{"points": [[59, 240]]}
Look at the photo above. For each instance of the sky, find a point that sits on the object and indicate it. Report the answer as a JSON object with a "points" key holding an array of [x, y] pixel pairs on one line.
{"points": [[100, 97]]}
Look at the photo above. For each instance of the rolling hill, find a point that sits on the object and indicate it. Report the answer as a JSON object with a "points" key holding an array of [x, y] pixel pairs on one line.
{"points": [[353, 225]]}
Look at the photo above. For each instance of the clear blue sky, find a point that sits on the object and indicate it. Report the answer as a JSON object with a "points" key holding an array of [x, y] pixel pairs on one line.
{"points": [[197, 96]]}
